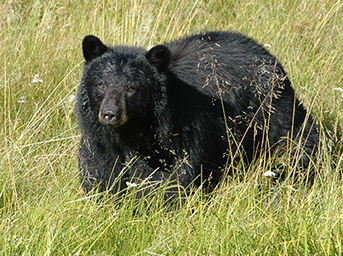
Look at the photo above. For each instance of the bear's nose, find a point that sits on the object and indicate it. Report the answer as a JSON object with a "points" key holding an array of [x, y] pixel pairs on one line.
{"points": [[108, 117]]}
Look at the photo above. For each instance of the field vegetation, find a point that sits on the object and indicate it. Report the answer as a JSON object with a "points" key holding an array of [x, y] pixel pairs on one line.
{"points": [[43, 209]]}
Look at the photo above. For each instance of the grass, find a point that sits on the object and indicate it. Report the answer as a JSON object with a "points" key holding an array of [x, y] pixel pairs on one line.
{"points": [[43, 210]]}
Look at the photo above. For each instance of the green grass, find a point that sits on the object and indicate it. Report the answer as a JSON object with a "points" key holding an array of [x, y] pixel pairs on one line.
{"points": [[43, 210]]}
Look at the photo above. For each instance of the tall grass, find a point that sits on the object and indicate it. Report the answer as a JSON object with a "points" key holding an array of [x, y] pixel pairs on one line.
{"points": [[43, 210]]}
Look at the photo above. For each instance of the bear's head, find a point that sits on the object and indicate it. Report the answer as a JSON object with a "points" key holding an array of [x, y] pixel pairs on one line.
{"points": [[123, 83]]}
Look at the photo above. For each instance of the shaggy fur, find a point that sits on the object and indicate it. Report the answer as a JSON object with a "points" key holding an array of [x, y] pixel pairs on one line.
{"points": [[183, 109]]}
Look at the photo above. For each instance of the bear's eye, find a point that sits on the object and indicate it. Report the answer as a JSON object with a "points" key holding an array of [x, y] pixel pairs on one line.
{"points": [[130, 89], [103, 86]]}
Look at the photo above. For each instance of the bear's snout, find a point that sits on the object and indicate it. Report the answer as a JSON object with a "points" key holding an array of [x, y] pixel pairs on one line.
{"points": [[107, 116], [113, 117]]}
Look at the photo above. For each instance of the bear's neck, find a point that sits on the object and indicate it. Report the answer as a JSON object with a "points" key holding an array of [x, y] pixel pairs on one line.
{"points": [[135, 133]]}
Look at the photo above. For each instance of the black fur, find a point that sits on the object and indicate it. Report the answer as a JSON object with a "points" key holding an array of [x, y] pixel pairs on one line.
{"points": [[184, 108]]}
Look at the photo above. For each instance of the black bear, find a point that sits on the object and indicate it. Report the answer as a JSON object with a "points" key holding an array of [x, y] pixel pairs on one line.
{"points": [[185, 111]]}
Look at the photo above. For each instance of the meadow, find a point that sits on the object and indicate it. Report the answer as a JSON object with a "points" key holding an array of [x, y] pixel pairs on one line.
{"points": [[43, 208]]}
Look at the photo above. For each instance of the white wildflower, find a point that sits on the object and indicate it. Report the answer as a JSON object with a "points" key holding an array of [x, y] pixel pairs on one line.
{"points": [[36, 79], [268, 46], [68, 103], [71, 99], [21, 100], [129, 184], [269, 174]]}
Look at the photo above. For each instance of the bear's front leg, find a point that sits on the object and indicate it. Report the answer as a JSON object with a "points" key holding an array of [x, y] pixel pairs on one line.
{"points": [[99, 166], [151, 175]]}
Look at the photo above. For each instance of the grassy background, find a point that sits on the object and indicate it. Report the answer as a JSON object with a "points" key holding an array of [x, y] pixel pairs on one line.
{"points": [[43, 210]]}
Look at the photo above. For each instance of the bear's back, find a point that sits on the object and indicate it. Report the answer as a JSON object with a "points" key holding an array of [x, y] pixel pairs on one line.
{"points": [[213, 60]]}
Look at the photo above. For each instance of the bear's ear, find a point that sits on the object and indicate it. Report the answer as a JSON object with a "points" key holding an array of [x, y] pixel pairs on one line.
{"points": [[159, 56], [92, 47]]}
